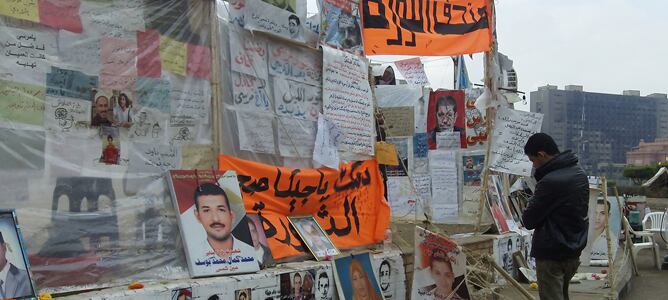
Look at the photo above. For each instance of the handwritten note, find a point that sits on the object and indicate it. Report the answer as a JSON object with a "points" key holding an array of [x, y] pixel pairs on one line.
{"points": [[420, 144], [66, 115], [386, 154], [198, 157], [260, 15], [413, 71], [399, 121], [296, 138], [22, 103], [448, 140], [117, 82], [148, 53], [61, 14], [79, 51], [25, 54], [512, 129], [256, 132], [20, 9], [118, 57], [443, 169], [118, 18], [69, 83], [191, 98], [250, 92], [153, 93], [295, 63], [248, 54], [422, 184], [327, 142], [199, 61], [173, 55], [296, 99], [347, 99], [403, 200], [153, 159]]}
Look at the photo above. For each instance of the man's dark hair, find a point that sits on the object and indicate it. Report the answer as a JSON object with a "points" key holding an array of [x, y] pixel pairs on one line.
{"points": [[2, 239], [242, 294], [297, 274], [385, 263], [294, 17], [541, 142], [602, 202], [446, 100], [209, 189], [323, 275], [213, 297]]}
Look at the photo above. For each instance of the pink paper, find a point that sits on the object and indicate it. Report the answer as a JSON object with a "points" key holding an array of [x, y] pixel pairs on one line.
{"points": [[117, 82], [61, 14], [118, 57], [199, 61], [148, 53]]}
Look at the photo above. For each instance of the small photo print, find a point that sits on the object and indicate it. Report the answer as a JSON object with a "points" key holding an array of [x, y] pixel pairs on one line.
{"points": [[17, 283], [111, 146], [262, 250], [355, 278], [244, 294], [182, 294], [314, 237]]}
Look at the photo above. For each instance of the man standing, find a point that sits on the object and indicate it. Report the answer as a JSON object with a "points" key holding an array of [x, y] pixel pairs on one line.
{"points": [[14, 282], [213, 211], [558, 213]]}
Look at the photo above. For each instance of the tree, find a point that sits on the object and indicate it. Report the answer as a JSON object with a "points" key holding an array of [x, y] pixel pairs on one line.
{"points": [[638, 174]]}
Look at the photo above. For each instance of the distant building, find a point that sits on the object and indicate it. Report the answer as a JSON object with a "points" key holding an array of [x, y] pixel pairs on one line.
{"points": [[648, 153], [599, 127]]}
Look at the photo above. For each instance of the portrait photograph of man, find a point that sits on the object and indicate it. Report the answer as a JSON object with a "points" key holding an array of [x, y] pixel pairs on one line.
{"points": [[15, 279], [446, 115], [212, 218], [314, 237]]}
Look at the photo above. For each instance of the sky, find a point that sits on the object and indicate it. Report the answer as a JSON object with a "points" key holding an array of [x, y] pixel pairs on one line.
{"points": [[604, 45]]}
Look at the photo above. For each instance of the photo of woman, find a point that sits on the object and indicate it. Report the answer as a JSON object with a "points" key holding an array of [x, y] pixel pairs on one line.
{"points": [[355, 279], [123, 111]]}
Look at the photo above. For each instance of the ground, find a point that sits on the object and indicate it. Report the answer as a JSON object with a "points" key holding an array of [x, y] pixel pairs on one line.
{"points": [[652, 283]]}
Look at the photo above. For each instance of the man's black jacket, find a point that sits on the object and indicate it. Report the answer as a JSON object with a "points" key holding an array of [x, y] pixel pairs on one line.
{"points": [[558, 209]]}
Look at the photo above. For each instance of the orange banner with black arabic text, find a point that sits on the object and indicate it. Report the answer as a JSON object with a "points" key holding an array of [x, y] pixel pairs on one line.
{"points": [[426, 27], [347, 203]]}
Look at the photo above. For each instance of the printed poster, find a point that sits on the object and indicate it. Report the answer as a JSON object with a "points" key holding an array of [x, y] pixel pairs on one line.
{"points": [[356, 279], [446, 114], [512, 129], [471, 164], [457, 27], [476, 121], [440, 267], [347, 99], [389, 268], [212, 220], [281, 18], [341, 27], [347, 203]]}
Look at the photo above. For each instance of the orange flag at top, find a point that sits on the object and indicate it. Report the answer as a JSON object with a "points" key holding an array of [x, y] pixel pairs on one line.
{"points": [[426, 27]]}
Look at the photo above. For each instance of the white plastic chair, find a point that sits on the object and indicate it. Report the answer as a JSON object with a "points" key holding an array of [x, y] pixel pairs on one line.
{"points": [[650, 244], [653, 223]]}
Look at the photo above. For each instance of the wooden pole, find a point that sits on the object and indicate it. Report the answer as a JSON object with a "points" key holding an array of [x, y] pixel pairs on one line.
{"points": [[627, 235], [217, 100], [611, 260], [509, 278]]}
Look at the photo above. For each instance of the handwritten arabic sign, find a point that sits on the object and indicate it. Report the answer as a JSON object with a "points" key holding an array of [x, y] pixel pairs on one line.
{"points": [[512, 129], [64, 114], [250, 92], [413, 71], [256, 132], [443, 167], [153, 159], [248, 53], [25, 54], [431, 27], [295, 63], [118, 56], [173, 55], [297, 100], [348, 203], [347, 99], [20, 9], [399, 121], [191, 98], [118, 18], [476, 122], [296, 138], [327, 142], [79, 51], [22, 103]]}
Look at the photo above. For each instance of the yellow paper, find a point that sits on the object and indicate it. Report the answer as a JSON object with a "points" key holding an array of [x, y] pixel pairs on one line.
{"points": [[21, 103], [173, 55], [386, 154], [20, 9]]}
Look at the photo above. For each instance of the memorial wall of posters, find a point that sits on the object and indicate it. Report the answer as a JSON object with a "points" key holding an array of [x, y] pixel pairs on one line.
{"points": [[97, 100]]}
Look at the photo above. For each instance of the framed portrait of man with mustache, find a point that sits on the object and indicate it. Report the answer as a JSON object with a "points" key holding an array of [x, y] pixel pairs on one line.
{"points": [[213, 222]]}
